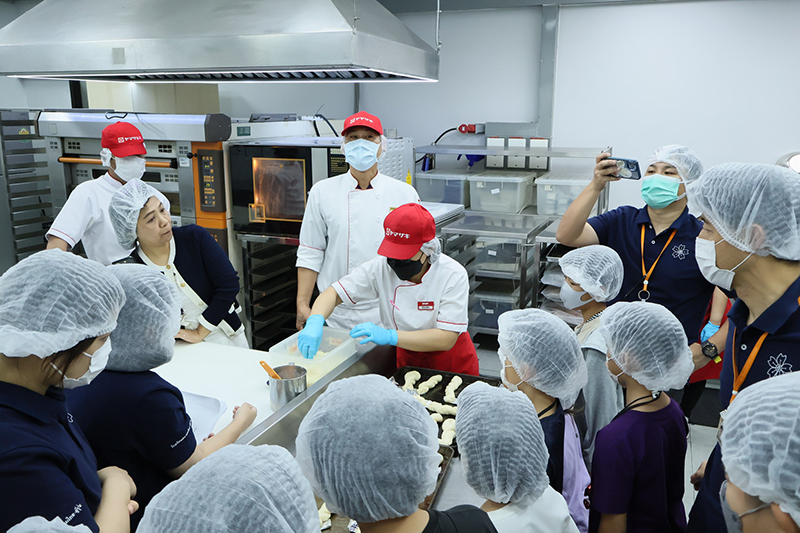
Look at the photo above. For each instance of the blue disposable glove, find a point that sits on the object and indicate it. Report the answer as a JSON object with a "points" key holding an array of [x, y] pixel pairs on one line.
{"points": [[375, 334], [310, 338], [709, 330]]}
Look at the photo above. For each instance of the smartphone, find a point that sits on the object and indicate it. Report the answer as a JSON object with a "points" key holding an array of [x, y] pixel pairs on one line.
{"points": [[627, 168]]}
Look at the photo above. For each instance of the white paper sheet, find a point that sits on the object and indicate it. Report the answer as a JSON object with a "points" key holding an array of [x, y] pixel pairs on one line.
{"points": [[205, 412]]}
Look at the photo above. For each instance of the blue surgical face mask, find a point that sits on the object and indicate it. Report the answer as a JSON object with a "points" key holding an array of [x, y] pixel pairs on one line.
{"points": [[361, 154], [658, 191]]}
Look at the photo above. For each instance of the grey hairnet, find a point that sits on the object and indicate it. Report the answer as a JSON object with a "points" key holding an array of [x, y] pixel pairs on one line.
{"points": [[239, 488], [648, 343], [369, 449], [123, 211], [52, 300], [761, 442], [544, 351], [433, 249], [596, 268], [756, 208], [39, 524], [501, 442], [684, 160], [145, 335]]}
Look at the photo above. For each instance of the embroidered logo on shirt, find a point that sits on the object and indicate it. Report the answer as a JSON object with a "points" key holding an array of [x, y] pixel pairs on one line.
{"points": [[778, 366], [69, 418], [679, 251], [75, 511], [424, 306]]}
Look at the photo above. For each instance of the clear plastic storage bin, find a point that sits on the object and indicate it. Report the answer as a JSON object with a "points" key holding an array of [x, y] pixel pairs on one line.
{"points": [[554, 193], [501, 191], [497, 255], [443, 186], [490, 305], [334, 341]]}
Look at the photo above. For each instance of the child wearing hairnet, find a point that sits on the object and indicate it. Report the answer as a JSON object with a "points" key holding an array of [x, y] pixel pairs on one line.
{"points": [[541, 357], [637, 469], [504, 458], [761, 452], [371, 453], [131, 416], [592, 277]]}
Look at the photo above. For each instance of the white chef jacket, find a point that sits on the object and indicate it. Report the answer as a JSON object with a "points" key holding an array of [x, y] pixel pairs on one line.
{"points": [[439, 302], [342, 229], [84, 217], [548, 514]]}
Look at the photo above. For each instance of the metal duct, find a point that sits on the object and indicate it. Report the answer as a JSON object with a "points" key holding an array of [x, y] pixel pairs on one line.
{"points": [[214, 41]]}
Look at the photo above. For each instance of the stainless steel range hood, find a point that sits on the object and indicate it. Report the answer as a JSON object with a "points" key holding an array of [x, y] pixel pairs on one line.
{"points": [[214, 41]]}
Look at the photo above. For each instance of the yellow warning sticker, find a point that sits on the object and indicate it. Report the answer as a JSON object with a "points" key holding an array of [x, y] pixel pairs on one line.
{"points": [[408, 177]]}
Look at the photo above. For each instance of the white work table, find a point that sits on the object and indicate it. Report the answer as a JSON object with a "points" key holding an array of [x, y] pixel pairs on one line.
{"points": [[234, 375]]}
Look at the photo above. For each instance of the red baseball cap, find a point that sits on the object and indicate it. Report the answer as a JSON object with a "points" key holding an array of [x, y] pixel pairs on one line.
{"points": [[407, 228], [123, 139], [362, 118]]}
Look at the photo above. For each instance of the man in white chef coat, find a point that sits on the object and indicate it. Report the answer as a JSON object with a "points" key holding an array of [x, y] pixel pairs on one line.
{"points": [[84, 216], [343, 222]]}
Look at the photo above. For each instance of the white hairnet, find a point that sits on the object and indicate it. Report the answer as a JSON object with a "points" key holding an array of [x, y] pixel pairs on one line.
{"points": [[596, 268], [501, 442], [52, 300], [433, 249], [369, 449], [236, 489], [684, 160], [147, 323], [544, 351], [756, 208], [761, 442], [39, 524], [124, 210], [648, 343]]}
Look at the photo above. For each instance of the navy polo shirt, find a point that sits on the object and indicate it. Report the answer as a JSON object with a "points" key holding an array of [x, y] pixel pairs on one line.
{"points": [[136, 421], [676, 282], [46, 466]]}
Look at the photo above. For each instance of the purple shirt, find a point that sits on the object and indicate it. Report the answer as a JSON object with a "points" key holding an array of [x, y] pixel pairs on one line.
{"points": [[638, 469]]}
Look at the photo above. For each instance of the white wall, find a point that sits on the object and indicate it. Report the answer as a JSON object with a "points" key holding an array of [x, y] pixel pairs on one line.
{"points": [[720, 77], [239, 100], [489, 71]]}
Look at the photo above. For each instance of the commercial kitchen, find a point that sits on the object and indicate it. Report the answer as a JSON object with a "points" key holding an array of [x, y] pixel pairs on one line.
{"points": [[502, 116]]}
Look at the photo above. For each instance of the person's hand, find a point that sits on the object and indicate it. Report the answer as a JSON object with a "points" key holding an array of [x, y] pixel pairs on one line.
{"points": [[311, 336], [113, 474], [245, 413], [698, 476], [698, 358], [303, 312], [709, 330], [192, 336], [605, 171], [376, 334]]}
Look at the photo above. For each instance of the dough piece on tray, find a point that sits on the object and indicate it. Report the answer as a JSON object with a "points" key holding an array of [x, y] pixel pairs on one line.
{"points": [[411, 379], [447, 437], [429, 384]]}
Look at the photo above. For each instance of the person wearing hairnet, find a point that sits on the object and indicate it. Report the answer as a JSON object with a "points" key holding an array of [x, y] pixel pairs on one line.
{"points": [[760, 445], [750, 244], [592, 278], [343, 222], [637, 469], [84, 216], [239, 489], [541, 356], [422, 295], [57, 311], [130, 415], [504, 458], [38, 524], [189, 258], [371, 453], [656, 244]]}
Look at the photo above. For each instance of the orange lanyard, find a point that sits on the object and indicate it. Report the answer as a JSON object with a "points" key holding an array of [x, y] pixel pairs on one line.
{"points": [[647, 273], [739, 377]]}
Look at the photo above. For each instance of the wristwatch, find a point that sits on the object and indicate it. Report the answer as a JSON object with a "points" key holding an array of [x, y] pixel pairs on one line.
{"points": [[710, 350]]}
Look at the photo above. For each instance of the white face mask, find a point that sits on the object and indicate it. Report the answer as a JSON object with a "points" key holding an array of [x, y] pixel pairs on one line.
{"points": [[507, 384], [99, 362], [571, 297], [614, 376], [705, 253], [130, 168]]}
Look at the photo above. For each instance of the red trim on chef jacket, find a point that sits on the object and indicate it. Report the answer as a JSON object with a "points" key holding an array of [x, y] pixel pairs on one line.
{"points": [[461, 358]]}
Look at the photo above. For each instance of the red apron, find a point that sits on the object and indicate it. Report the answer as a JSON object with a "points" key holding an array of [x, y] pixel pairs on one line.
{"points": [[461, 358], [712, 369]]}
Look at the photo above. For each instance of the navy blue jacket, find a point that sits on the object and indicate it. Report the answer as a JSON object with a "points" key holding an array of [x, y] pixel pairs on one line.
{"points": [[206, 268]]}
